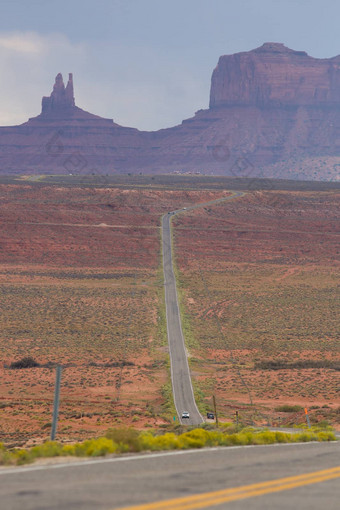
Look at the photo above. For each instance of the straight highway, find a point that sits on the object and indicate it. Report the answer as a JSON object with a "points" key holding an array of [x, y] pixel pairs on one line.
{"points": [[180, 373]]}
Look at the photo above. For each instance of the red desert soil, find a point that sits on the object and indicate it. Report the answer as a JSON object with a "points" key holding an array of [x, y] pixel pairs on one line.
{"points": [[81, 285], [259, 285]]}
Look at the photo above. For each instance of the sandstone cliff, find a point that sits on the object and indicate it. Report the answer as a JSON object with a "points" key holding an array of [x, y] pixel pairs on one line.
{"points": [[274, 112], [274, 75]]}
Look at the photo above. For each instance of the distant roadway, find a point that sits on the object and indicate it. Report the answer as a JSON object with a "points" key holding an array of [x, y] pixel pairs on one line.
{"points": [[237, 478], [180, 374]]}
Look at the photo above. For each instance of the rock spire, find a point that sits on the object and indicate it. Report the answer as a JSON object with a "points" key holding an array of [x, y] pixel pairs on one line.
{"points": [[61, 98]]}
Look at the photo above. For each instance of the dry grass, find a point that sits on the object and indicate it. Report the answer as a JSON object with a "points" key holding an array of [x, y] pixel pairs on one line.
{"points": [[81, 285], [259, 283]]}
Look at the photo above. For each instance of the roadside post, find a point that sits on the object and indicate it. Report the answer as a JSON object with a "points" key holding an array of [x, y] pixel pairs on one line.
{"points": [[307, 417], [236, 420], [215, 409], [56, 402]]}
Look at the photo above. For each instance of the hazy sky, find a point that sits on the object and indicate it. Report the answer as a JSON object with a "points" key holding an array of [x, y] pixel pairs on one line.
{"points": [[144, 63]]}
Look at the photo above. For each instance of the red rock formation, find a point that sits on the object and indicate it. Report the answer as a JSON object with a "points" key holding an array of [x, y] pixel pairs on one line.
{"points": [[274, 75], [61, 105], [274, 112], [65, 139], [61, 98]]}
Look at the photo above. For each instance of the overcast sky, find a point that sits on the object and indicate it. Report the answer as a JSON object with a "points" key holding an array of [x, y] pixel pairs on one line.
{"points": [[144, 63]]}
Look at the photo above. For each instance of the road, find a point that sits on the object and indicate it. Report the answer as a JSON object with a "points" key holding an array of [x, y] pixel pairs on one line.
{"points": [[113, 483], [180, 374]]}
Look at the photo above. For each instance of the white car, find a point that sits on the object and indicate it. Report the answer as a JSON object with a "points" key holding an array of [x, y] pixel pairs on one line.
{"points": [[185, 414]]}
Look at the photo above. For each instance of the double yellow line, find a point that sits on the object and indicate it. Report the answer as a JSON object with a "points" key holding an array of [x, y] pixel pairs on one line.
{"points": [[209, 499]]}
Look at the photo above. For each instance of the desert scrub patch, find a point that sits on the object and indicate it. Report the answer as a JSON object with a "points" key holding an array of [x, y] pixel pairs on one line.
{"points": [[162, 335], [188, 332], [186, 318], [267, 307], [124, 439], [286, 408], [26, 362], [167, 441], [200, 396], [284, 365], [76, 318], [197, 438], [169, 404], [127, 439], [92, 447], [89, 448]]}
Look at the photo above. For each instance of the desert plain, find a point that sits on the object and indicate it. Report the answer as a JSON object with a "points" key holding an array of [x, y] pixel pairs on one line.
{"points": [[81, 285]]}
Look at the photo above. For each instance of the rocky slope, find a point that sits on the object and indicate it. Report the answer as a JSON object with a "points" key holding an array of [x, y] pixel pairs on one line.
{"points": [[274, 112]]}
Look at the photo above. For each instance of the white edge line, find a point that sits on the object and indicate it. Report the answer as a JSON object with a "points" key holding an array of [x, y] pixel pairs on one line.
{"points": [[147, 456]]}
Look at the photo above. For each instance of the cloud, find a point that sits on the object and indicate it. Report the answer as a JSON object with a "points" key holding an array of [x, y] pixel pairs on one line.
{"points": [[137, 86], [26, 43], [28, 64]]}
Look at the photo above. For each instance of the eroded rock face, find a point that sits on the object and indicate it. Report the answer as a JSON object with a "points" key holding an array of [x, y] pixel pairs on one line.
{"points": [[274, 112], [60, 107], [61, 98], [66, 139], [274, 75]]}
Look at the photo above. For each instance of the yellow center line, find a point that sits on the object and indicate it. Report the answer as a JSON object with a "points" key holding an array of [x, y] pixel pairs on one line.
{"points": [[247, 491]]}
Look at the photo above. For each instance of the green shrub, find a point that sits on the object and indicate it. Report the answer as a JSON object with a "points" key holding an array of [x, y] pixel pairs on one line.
{"points": [[226, 425], [265, 437], [27, 362], [21, 457], [197, 438], [69, 449], [282, 437], [126, 438], [301, 364], [4, 455], [326, 436], [230, 428], [47, 449], [96, 447], [305, 437], [237, 439], [168, 441], [322, 425], [288, 409]]}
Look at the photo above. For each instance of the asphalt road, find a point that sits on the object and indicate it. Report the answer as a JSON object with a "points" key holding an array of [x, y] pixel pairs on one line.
{"points": [[110, 483], [180, 373]]}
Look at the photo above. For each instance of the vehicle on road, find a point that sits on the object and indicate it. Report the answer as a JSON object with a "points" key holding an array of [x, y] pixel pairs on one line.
{"points": [[210, 416], [185, 414]]}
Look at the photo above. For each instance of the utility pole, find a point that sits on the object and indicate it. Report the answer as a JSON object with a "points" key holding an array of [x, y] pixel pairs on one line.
{"points": [[215, 409], [56, 402]]}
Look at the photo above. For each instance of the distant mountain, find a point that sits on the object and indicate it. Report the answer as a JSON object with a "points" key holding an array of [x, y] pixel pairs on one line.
{"points": [[274, 112]]}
